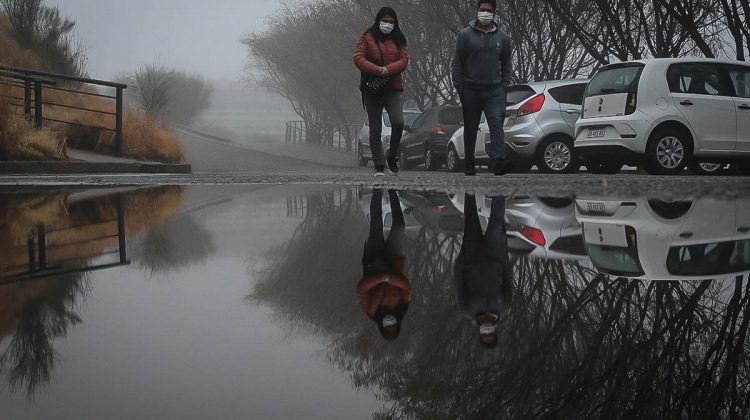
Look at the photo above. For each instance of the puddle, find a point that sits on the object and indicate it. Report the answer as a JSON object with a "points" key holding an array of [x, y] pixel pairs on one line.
{"points": [[327, 302]]}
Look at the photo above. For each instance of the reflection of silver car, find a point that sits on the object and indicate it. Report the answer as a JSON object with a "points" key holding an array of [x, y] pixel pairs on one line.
{"points": [[409, 220], [546, 226], [539, 126], [364, 152], [656, 240]]}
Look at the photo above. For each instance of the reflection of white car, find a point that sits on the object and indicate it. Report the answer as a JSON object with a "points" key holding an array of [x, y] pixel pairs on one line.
{"points": [[484, 207], [657, 240], [546, 226], [409, 220]]}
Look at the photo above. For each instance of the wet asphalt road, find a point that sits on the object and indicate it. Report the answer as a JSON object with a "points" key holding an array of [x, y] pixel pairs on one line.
{"points": [[220, 164]]}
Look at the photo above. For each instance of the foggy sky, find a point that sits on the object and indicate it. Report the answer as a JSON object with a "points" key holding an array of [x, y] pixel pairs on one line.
{"points": [[196, 36]]}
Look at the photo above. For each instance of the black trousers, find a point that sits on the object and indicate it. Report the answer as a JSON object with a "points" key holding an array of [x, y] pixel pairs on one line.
{"points": [[391, 101]]}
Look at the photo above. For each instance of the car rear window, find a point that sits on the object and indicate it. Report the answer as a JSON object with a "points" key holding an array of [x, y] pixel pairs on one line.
{"points": [[615, 261], [409, 118], [451, 116], [519, 93], [709, 259], [617, 79], [569, 94]]}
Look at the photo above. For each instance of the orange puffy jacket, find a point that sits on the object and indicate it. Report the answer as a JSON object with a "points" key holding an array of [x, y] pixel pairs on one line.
{"points": [[396, 59], [382, 290]]}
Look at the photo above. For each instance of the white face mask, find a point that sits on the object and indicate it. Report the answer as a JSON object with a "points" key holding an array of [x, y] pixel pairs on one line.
{"points": [[386, 28], [390, 320], [485, 18]]}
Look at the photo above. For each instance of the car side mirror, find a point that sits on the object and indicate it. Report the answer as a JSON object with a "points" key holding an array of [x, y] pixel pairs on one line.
{"points": [[407, 128]]}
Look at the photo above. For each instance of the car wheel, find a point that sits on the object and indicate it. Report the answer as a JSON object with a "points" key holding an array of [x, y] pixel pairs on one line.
{"points": [[670, 210], [452, 160], [556, 156], [707, 168], [610, 167], [430, 162], [668, 152]]}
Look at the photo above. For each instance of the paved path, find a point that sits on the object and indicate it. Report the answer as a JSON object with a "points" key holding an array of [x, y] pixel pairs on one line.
{"points": [[218, 157]]}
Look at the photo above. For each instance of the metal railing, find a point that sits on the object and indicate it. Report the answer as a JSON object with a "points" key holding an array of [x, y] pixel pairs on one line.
{"points": [[34, 83], [337, 136]]}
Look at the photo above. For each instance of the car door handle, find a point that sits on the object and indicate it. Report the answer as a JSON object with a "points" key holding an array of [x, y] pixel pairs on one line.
{"points": [[744, 107], [743, 229], [686, 103], [573, 111], [687, 235]]}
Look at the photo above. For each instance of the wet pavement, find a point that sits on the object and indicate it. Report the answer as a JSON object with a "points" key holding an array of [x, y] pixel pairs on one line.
{"points": [[365, 301]]}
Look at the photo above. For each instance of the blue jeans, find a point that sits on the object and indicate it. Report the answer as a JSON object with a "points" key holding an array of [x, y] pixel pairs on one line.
{"points": [[492, 102]]}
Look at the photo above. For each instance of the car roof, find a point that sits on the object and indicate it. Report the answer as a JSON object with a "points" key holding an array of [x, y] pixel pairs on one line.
{"points": [[553, 83], [679, 60]]}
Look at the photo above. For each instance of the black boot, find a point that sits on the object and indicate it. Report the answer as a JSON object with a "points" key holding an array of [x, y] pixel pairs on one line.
{"points": [[393, 165], [470, 168], [503, 166]]}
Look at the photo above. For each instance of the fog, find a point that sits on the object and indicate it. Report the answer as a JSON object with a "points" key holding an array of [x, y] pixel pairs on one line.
{"points": [[189, 35]]}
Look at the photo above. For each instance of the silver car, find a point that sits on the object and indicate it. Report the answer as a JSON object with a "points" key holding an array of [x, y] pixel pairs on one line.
{"points": [[364, 154], [539, 126]]}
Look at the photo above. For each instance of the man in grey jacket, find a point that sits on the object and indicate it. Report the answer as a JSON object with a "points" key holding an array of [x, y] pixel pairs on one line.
{"points": [[482, 71], [482, 273]]}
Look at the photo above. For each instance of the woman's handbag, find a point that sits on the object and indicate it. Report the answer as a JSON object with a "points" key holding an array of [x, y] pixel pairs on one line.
{"points": [[375, 84]]}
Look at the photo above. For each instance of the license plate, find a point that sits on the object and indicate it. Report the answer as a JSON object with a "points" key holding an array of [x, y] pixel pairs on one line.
{"points": [[595, 133], [596, 208]]}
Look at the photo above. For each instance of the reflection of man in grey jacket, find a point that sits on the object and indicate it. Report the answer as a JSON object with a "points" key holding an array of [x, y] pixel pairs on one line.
{"points": [[482, 71], [482, 274]]}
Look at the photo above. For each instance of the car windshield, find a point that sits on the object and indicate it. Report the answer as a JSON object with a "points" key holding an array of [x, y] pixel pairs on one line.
{"points": [[615, 260], [451, 116], [709, 259], [409, 118], [619, 79]]}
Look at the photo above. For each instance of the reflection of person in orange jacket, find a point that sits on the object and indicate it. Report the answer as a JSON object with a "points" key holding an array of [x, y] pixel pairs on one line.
{"points": [[384, 291]]}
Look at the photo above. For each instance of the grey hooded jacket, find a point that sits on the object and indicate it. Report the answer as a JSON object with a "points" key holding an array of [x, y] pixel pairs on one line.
{"points": [[482, 60]]}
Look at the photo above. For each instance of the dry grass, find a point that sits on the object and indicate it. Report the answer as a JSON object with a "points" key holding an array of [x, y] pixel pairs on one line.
{"points": [[11, 53], [142, 138], [20, 215], [20, 141]]}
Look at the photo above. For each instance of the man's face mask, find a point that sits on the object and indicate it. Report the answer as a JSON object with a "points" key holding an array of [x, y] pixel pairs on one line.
{"points": [[386, 27], [485, 18], [389, 321]]}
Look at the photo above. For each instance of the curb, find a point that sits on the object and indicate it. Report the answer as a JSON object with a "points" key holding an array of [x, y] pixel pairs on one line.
{"points": [[78, 167]]}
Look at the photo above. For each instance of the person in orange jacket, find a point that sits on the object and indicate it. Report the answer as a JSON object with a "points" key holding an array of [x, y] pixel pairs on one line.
{"points": [[384, 291]]}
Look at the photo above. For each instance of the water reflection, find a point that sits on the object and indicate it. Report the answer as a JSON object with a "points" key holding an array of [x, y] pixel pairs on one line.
{"points": [[667, 240], [49, 243], [482, 274], [575, 341], [384, 292]]}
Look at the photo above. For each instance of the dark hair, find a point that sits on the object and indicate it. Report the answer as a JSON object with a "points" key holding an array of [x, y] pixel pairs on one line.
{"points": [[397, 36], [490, 344], [492, 2], [399, 313]]}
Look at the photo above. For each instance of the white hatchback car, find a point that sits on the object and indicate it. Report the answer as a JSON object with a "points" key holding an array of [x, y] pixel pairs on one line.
{"points": [[364, 154], [666, 114], [705, 239]]}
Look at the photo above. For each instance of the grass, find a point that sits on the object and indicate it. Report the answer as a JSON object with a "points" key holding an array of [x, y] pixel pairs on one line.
{"points": [[20, 141], [142, 138]]}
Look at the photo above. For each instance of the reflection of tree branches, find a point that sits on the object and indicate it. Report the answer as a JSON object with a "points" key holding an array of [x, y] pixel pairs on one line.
{"points": [[29, 357], [176, 243], [575, 344]]}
